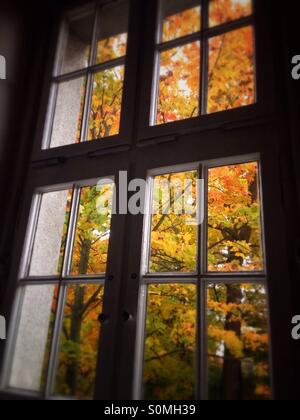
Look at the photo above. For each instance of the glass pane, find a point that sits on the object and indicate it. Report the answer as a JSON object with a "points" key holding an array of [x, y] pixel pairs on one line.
{"points": [[179, 84], [67, 122], [234, 219], [238, 343], [222, 11], [106, 104], [76, 43], [231, 78], [92, 230], [170, 368], [48, 249], [34, 335], [112, 31], [180, 18], [173, 245], [76, 371]]}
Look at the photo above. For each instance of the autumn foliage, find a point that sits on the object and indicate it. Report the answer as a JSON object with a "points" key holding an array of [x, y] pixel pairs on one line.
{"points": [[237, 327], [230, 80]]}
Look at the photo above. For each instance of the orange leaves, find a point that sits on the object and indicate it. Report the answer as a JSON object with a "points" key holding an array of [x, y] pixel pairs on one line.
{"points": [[231, 74], [234, 234], [112, 48], [79, 341], [238, 341], [181, 24], [231, 82], [178, 95], [173, 239], [106, 103], [222, 11]]}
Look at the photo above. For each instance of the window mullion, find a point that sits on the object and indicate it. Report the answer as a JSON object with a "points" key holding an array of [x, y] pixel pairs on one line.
{"points": [[67, 259], [93, 53], [178, 42], [87, 106], [31, 232], [202, 334], [201, 293], [53, 359]]}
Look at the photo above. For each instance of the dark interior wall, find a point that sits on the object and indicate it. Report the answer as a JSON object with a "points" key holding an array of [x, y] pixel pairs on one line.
{"points": [[25, 36], [20, 44]]}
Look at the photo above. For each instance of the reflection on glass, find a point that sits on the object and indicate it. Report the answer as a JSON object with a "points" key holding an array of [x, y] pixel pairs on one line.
{"points": [[68, 114], [50, 237], [112, 31], [179, 84], [76, 370], [34, 335], [92, 231], [76, 43], [180, 18], [169, 369], [234, 219], [231, 78], [222, 11], [238, 343], [105, 114], [173, 230]]}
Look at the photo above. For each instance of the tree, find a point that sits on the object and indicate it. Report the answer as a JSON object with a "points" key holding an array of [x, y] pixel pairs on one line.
{"points": [[106, 103], [237, 317], [80, 332]]}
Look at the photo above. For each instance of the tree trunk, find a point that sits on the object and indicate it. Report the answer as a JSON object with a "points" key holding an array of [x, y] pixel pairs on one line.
{"points": [[232, 384], [76, 318]]}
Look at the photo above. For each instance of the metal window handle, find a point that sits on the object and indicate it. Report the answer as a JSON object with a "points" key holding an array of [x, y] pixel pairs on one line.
{"points": [[126, 316], [103, 318]]}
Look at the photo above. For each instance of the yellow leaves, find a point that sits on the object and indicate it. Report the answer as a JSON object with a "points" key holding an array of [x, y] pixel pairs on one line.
{"points": [[234, 236], [183, 23], [229, 338], [112, 48], [171, 340], [178, 96], [254, 340], [106, 103], [231, 70], [263, 391], [238, 335], [222, 11]]}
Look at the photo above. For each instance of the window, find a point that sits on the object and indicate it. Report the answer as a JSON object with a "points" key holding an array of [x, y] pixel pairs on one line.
{"points": [[87, 91], [205, 59], [171, 304], [61, 291], [204, 314]]}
